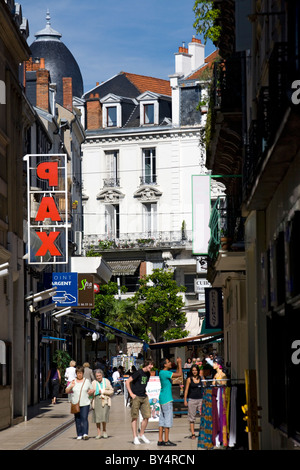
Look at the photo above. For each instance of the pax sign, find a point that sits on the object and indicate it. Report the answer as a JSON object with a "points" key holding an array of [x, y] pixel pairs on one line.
{"points": [[47, 209]]}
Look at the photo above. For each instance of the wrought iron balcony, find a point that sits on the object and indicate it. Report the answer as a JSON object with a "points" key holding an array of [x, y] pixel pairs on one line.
{"points": [[111, 182], [227, 85], [138, 241], [227, 230], [148, 179]]}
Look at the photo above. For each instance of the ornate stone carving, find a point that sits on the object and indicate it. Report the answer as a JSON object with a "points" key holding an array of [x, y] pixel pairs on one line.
{"points": [[110, 196], [147, 194]]}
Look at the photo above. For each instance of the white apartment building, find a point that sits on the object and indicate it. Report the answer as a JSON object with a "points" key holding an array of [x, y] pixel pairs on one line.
{"points": [[142, 146]]}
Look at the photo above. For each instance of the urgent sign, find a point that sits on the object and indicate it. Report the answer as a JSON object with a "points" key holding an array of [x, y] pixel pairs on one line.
{"points": [[47, 209]]}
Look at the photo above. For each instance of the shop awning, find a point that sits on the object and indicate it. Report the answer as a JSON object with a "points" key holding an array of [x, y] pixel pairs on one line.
{"points": [[106, 328], [123, 268], [53, 338], [190, 340]]}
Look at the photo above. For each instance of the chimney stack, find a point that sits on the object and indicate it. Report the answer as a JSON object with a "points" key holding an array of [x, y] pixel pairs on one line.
{"points": [[188, 59], [42, 89], [93, 112], [197, 51], [67, 93]]}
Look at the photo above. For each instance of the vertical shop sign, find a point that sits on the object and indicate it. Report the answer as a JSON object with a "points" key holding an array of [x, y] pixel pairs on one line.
{"points": [[201, 213], [213, 308], [86, 292], [47, 209]]}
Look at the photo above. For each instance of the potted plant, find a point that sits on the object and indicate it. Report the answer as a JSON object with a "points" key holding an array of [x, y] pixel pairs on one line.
{"points": [[225, 239], [62, 360]]}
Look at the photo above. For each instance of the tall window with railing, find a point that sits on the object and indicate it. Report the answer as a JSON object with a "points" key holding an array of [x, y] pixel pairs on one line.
{"points": [[150, 219], [112, 169], [149, 166], [112, 221]]}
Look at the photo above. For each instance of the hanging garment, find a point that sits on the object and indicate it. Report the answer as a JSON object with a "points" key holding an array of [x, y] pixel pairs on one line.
{"points": [[223, 417], [232, 426], [215, 417], [205, 432]]}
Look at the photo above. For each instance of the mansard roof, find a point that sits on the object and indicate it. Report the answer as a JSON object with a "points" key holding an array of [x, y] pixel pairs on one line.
{"points": [[129, 88], [130, 85]]}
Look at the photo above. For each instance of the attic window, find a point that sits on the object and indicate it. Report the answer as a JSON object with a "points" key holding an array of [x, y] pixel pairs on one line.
{"points": [[149, 114], [111, 116]]}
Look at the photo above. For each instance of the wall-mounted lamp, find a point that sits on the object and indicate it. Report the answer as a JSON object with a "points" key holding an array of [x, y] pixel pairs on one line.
{"points": [[61, 313], [39, 296], [4, 269]]}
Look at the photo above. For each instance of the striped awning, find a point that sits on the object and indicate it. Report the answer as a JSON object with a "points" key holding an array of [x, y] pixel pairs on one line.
{"points": [[124, 267]]}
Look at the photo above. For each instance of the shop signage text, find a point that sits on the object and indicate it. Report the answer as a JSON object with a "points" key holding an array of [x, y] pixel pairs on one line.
{"points": [[47, 209]]}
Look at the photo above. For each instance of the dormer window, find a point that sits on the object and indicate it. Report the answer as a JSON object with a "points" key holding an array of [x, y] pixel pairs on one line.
{"points": [[149, 108], [111, 111], [111, 117], [148, 113]]}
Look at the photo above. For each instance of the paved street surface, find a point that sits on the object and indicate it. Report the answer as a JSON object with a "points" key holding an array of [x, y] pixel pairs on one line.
{"points": [[55, 422]]}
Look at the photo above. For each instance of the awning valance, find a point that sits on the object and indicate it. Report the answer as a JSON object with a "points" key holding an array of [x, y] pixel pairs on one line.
{"points": [[97, 324], [124, 267], [190, 340], [53, 338]]}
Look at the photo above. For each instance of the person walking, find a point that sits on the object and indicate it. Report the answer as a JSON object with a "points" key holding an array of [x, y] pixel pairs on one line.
{"points": [[101, 402], [54, 379], [70, 373], [136, 386], [193, 396], [166, 401], [88, 373], [116, 381], [81, 389]]}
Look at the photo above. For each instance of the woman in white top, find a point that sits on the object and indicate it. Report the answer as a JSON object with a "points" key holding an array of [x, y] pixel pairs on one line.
{"points": [[101, 402], [81, 388], [70, 373]]}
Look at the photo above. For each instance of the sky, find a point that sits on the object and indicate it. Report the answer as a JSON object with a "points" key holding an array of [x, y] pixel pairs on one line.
{"points": [[135, 36]]}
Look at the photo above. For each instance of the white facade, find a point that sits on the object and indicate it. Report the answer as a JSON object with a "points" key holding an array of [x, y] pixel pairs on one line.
{"points": [[145, 210], [137, 179]]}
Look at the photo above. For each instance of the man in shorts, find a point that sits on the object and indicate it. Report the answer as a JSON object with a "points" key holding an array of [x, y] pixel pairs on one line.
{"points": [[166, 400], [136, 386]]}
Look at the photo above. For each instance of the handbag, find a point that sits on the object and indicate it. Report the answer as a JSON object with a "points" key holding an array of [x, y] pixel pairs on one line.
{"points": [[75, 408]]}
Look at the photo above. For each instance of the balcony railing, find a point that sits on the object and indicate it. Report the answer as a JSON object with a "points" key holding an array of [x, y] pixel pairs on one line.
{"points": [[217, 226], [227, 229], [149, 179], [227, 85], [111, 182], [138, 241]]}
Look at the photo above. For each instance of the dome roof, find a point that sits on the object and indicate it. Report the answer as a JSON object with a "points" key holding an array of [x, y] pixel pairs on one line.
{"points": [[58, 60]]}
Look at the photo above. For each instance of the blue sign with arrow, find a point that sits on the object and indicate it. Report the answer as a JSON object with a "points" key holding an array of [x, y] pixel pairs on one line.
{"points": [[66, 289]]}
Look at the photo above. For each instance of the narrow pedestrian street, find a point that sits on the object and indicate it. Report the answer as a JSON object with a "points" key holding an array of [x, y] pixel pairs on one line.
{"points": [[54, 422]]}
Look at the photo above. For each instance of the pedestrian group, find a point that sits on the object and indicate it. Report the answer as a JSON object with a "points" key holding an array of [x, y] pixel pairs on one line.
{"points": [[91, 389]]}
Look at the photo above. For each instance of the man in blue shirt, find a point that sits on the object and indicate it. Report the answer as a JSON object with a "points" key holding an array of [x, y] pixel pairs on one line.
{"points": [[166, 400]]}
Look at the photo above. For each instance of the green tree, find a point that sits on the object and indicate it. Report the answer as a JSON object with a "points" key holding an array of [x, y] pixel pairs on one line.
{"points": [[117, 313], [207, 14], [158, 303]]}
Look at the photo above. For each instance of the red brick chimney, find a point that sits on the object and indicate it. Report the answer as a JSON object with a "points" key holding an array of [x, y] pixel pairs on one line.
{"points": [[93, 112], [42, 89], [67, 93]]}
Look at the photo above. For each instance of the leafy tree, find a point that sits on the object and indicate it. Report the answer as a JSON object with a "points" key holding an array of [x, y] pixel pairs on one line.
{"points": [[114, 312], [158, 302], [207, 14]]}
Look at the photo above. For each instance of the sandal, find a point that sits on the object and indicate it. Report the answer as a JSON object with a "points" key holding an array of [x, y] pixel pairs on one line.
{"points": [[193, 436]]}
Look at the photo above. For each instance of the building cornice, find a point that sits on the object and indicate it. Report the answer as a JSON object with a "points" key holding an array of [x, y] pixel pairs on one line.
{"points": [[139, 135]]}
